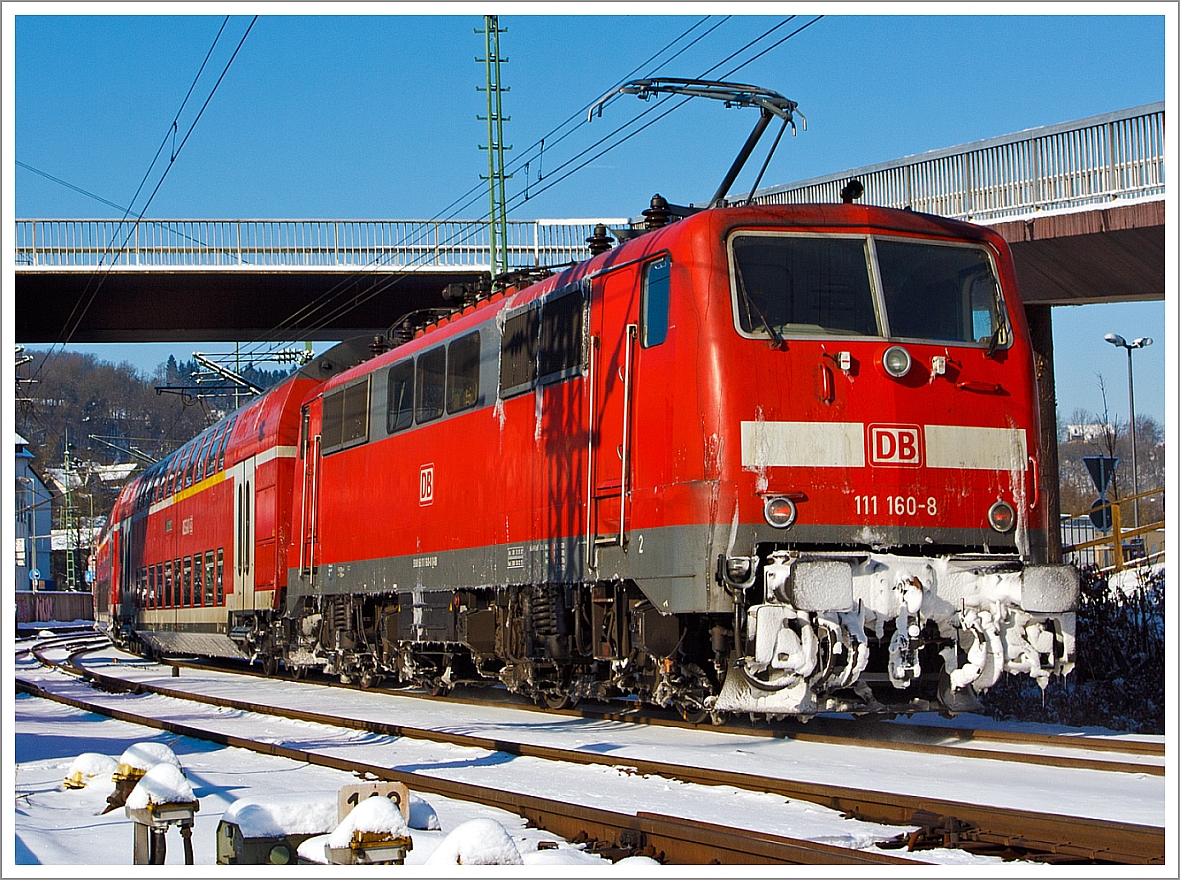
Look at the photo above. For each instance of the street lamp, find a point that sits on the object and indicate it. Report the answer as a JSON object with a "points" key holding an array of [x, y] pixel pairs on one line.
{"points": [[1142, 342]]}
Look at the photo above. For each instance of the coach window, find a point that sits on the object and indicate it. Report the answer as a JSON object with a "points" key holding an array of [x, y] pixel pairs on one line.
{"points": [[211, 452], [172, 462], [151, 581], [188, 580], [185, 479], [159, 577], [560, 347], [399, 413], [656, 287], [198, 590], [229, 426], [209, 569], [463, 373], [518, 352], [220, 575], [432, 375], [169, 596], [201, 455]]}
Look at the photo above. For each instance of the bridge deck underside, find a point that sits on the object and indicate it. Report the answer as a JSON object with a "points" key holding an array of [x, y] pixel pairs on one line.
{"points": [[221, 306], [1109, 255]]}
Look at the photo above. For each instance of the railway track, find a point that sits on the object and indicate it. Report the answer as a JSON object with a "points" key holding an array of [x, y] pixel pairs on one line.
{"points": [[670, 839], [1047, 750], [981, 829]]}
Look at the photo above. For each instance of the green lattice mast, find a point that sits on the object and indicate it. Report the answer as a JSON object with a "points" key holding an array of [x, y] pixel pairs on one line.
{"points": [[498, 229], [68, 522]]}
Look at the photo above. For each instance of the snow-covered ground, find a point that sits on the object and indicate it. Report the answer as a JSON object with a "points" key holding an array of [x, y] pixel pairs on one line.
{"points": [[56, 826], [1122, 797]]}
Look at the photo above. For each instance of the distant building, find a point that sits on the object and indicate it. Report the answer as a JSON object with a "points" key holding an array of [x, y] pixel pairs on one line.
{"points": [[34, 521], [1090, 433]]}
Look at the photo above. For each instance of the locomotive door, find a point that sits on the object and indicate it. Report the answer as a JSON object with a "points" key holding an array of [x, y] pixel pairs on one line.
{"points": [[310, 499], [614, 304], [244, 537]]}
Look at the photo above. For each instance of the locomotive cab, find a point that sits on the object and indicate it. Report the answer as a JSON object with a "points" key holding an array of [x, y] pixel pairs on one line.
{"points": [[885, 410]]}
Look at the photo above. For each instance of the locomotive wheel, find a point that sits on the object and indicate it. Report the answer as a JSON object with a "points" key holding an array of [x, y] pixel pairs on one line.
{"points": [[270, 665], [555, 700], [695, 716]]}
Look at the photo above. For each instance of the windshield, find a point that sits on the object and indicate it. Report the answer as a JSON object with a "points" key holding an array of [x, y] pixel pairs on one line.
{"points": [[797, 285]]}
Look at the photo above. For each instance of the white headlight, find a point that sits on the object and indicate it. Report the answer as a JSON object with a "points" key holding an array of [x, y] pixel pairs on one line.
{"points": [[896, 361]]}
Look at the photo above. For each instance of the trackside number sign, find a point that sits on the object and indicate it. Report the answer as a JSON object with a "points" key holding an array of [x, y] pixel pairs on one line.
{"points": [[895, 445]]}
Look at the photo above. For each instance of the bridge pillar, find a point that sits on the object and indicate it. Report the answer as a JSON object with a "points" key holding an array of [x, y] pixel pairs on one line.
{"points": [[1040, 325]]}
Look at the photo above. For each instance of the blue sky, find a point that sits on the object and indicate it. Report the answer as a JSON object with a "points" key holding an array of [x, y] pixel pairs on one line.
{"points": [[375, 116]]}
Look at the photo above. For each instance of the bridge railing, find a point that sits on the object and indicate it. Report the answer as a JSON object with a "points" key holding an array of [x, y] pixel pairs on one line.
{"points": [[347, 244], [1089, 162]]}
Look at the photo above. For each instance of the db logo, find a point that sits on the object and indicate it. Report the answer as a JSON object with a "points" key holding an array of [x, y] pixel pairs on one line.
{"points": [[895, 445], [426, 485]]}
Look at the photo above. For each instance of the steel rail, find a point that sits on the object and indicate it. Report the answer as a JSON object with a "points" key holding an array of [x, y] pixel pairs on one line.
{"points": [[1057, 835], [667, 838], [929, 739]]}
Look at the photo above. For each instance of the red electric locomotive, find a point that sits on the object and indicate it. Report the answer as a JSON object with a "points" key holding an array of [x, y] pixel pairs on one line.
{"points": [[776, 460]]}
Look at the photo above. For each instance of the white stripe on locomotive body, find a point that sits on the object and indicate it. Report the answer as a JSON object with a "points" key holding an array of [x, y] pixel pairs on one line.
{"points": [[842, 444], [803, 444], [980, 449]]}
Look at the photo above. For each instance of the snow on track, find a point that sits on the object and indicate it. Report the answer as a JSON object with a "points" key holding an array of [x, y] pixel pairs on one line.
{"points": [[1122, 797]]}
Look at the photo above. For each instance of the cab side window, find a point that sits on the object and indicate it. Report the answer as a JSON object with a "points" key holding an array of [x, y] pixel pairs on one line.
{"points": [[432, 374], [399, 412], [656, 295], [463, 373]]}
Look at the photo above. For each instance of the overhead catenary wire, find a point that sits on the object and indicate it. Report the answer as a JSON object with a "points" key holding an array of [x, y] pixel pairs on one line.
{"points": [[471, 195], [386, 284], [319, 304], [87, 297]]}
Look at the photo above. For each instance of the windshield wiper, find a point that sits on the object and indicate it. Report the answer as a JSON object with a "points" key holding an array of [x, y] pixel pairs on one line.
{"points": [[994, 342], [774, 334]]}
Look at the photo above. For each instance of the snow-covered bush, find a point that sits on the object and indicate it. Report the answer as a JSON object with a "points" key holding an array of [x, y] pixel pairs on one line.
{"points": [[1118, 681]]}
